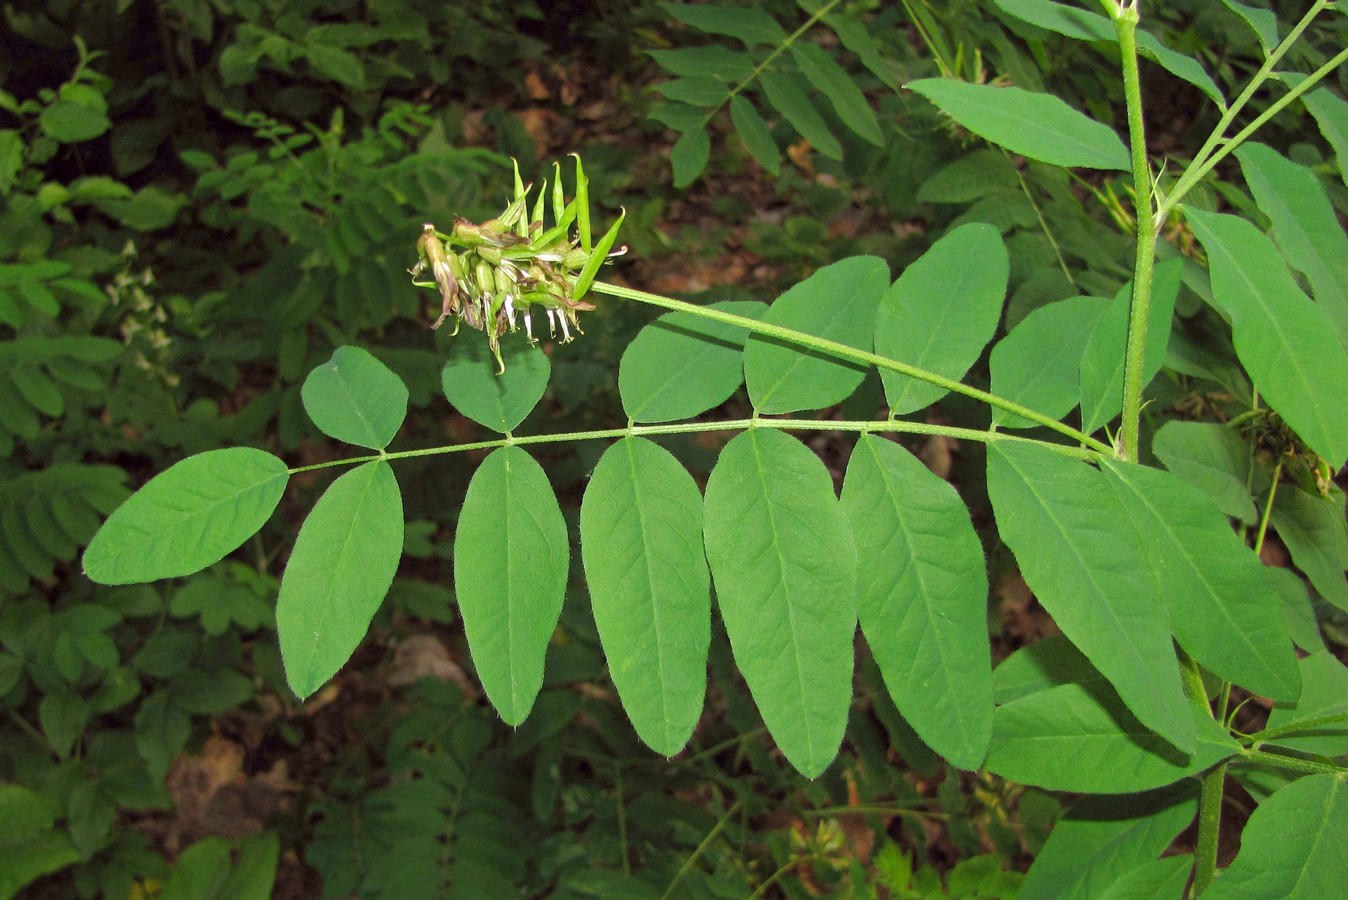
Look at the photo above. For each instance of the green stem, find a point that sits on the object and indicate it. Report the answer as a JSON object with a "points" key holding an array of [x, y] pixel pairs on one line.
{"points": [[622, 820], [1268, 509], [833, 348], [1043, 225], [701, 848], [830, 811], [1292, 763], [772, 879], [1268, 734], [1125, 25], [1209, 824], [863, 426]]}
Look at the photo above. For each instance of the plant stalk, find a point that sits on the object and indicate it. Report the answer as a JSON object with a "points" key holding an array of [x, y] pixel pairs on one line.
{"points": [[1209, 826], [1125, 25], [833, 348], [863, 425]]}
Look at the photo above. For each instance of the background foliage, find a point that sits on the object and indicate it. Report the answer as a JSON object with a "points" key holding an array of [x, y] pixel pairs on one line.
{"points": [[200, 203]]}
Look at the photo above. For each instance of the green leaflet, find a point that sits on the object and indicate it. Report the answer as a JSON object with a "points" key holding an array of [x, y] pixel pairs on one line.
{"points": [[784, 564], [1302, 624], [1304, 224], [1039, 666], [62, 713], [641, 542], [1331, 114], [1165, 877], [832, 80], [1295, 845], [689, 156], [1325, 694], [837, 302], [1102, 839], [752, 26], [1081, 557], [356, 398], [1102, 361], [755, 133], [510, 566], [500, 402], [1078, 738], [716, 62], [790, 98], [682, 365], [1263, 22], [31, 845], [1286, 342], [694, 91], [1313, 529], [1224, 608], [941, 313], [971, 177], [1029, 367], [162, 730], [343, 563], [187, 517], [855, 37], [923, 594], [1039, 126], [1211, 457]]}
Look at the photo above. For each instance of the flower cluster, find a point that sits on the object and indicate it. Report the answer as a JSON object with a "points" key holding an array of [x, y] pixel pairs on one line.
{"points": [[492, 276]]}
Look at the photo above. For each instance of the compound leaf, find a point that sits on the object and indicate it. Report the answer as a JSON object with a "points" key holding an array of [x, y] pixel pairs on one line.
{"points": [[784, 563], [641, 542], [510, 566], [187, 517]]}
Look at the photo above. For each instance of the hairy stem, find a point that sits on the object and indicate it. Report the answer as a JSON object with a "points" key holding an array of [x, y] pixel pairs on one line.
{"points": [[1292, 763], [864, 425], [1311, 724], [833, 348], [1209, 824], [1125, 25]]}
